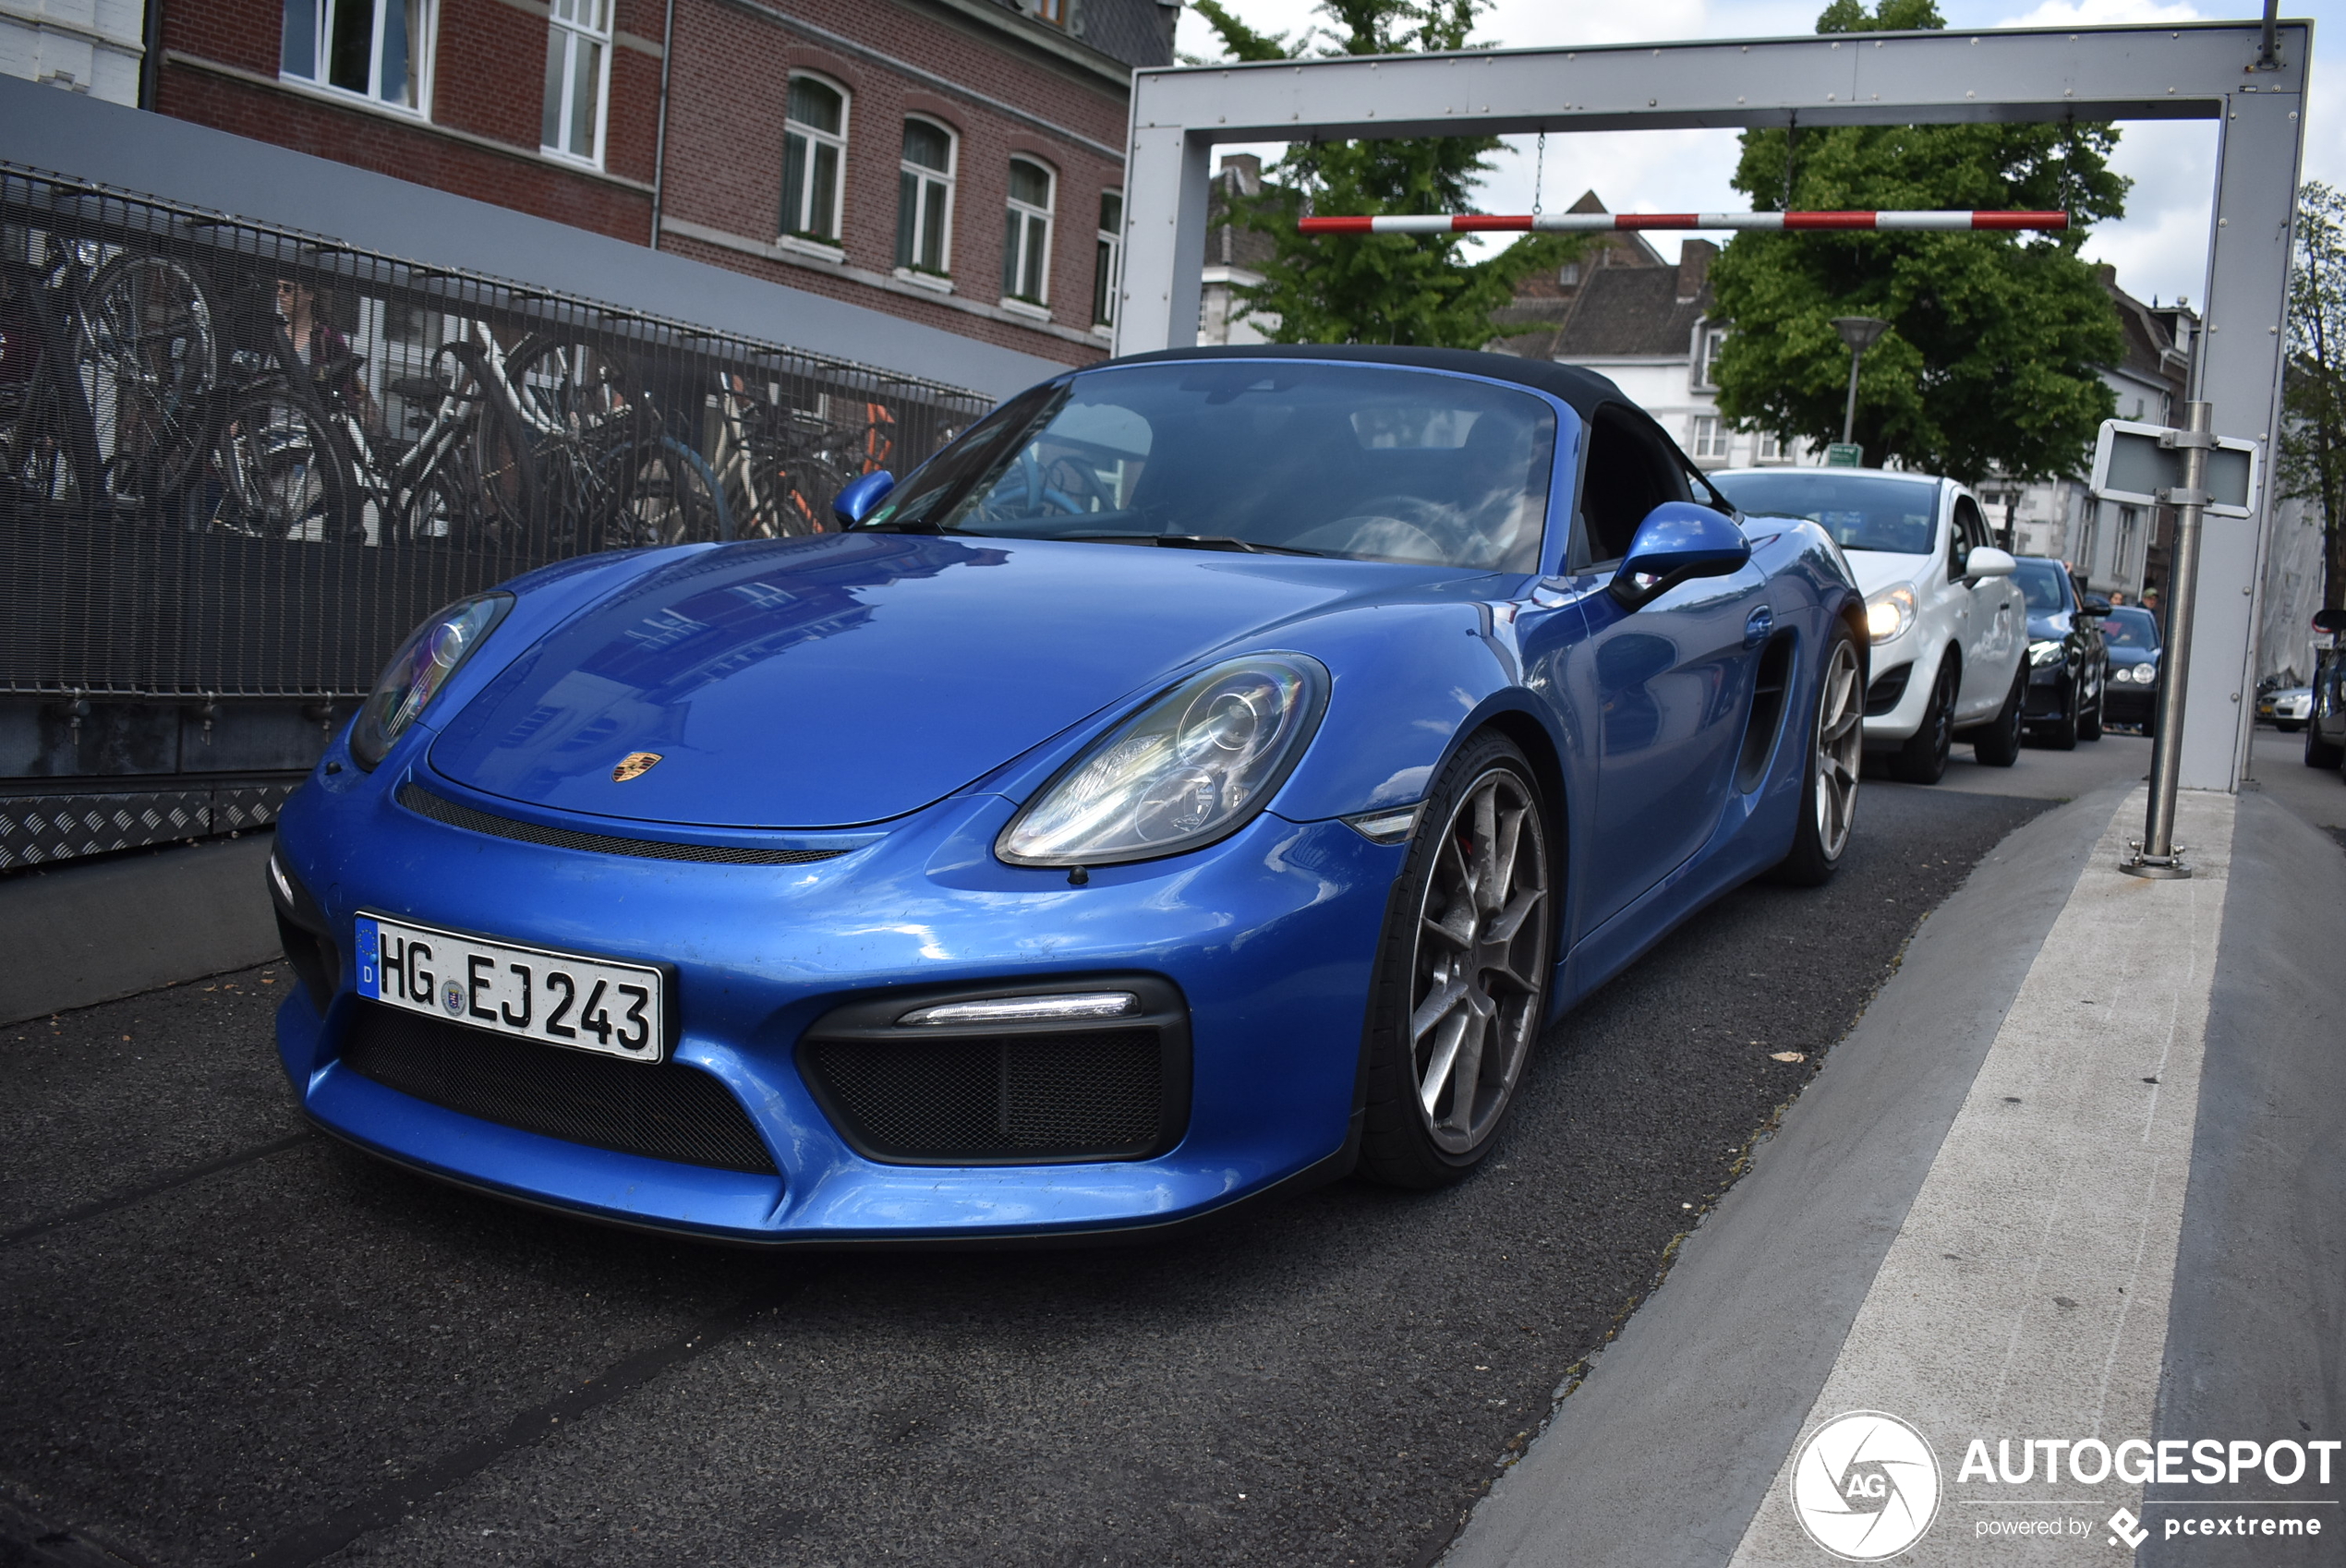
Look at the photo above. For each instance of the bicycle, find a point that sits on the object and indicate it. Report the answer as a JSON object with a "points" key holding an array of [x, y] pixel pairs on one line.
{"points": [[607, 473], [108, 363]]}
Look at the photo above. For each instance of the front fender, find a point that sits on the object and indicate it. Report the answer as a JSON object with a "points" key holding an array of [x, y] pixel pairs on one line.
{"points": [[1409, 679]]}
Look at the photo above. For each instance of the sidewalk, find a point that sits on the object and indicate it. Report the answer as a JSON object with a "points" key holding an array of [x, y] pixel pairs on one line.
{"points": [[2081, 1141]]}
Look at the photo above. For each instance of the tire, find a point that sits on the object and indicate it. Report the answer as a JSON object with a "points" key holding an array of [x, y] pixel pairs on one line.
{"points": [[2090, 725], [2320, 753], [277, 473], [1923, 759], [2061, 735], [2287, 726], [148, 347], [1997, 742], [1836, 751], [1471, 918]]}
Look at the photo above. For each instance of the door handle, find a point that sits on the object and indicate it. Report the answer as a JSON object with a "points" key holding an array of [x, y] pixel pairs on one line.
{"points": [[1756, 629]]}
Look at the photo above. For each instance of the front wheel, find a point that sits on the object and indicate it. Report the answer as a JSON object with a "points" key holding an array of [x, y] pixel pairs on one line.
{"points": [[1997, 742], [2320, 753], [1829, 796], [2089, 724], [1923, 759], [1461, 983], [2061, 734]]}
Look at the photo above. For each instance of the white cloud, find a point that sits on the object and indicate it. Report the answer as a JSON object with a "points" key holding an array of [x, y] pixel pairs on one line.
{"points": [[2101, 13]]}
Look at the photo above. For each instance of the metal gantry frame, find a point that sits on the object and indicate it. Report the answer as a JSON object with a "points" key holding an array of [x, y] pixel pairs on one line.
{"points": [[2191, 71]]}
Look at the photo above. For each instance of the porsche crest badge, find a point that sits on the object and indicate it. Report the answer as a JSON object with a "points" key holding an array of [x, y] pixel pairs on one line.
{"points": [[635, 764]]}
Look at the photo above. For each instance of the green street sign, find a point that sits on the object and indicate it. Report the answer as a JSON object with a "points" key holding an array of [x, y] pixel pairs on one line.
{"points": [[1845, 454]]}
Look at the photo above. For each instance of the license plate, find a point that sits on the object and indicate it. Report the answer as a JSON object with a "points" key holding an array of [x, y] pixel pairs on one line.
{"points": [[557, 998]]}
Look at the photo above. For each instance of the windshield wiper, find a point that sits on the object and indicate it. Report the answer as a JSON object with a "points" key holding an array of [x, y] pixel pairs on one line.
{"points": [[1192, 541]]}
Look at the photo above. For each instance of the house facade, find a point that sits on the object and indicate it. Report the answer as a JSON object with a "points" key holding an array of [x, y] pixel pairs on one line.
{"points": [[957, 163], [1625, 312]]}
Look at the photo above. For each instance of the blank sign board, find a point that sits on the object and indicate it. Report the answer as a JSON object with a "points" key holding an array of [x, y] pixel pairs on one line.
{"points": [[2129, 465]]}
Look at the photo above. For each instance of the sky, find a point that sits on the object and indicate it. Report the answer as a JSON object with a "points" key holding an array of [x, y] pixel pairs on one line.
{"points": [[2159, 248]]}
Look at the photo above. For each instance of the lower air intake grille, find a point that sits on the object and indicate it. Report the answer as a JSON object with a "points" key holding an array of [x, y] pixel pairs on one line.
{"points": [[1010, 1099], [669, 1111]]}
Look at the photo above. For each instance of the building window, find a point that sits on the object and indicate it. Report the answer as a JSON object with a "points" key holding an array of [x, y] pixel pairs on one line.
{"points": [[813, 147], [1771, 448], [577, 78], [1710, 438], [374, 48], [1569, 275], [925, 199], [1107, 271], [1706, 359], [1051, 11], [1026, 241]]}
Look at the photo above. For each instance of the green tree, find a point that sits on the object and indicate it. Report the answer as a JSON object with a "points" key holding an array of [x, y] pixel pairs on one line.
{"points": [[2313, 436], [1413, 289], [1990, 360]]}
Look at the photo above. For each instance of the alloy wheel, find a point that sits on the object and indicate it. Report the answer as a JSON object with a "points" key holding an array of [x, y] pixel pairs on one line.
{"points": [[1840, 750], [1482, 942]]}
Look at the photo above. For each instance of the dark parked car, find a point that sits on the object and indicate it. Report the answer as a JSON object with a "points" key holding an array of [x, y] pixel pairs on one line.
{"points": [[2130, 695], [2066, 655], [2325, 726]]}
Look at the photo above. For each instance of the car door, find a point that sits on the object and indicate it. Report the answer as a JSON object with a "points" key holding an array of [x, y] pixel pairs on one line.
{"points": [[1662, 690], [1987, 617]]}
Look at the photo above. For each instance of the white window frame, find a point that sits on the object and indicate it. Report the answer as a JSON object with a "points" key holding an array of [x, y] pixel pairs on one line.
{"points": [[818, 138], [420, 49], [1770, 447], [1708, 339], [1027, 210], [572, 35], [950, 180], [1111, 262], [1707, 437]]}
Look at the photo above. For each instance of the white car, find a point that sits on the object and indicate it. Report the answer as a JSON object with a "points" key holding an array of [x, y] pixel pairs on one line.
{"points": [[1950, 626], [2289, 708]]}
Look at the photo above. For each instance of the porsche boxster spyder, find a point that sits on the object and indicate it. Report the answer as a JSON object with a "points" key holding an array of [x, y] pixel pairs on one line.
{"points": [[1212, 772]]}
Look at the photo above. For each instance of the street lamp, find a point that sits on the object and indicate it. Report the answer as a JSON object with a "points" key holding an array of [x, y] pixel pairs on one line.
{"points": [[1858, 332]]}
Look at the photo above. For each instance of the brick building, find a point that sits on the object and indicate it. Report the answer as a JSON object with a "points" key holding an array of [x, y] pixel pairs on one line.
{"points": [[957, 163]]}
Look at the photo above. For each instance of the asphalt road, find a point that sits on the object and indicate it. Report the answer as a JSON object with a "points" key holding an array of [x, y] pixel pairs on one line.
{"points": [[224, 1340]]}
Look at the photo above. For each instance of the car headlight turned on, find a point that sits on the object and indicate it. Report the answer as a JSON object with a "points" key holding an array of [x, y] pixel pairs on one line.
{"points": [[432, 653], [1192, 767], [1890, 612], [2045, 653]]}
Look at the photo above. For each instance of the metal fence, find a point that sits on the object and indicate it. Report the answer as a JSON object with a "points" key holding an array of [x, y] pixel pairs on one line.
{"points": [[237, 460]]}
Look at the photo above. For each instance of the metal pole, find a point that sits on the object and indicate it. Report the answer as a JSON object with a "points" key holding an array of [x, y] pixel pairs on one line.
{"points": [[2158, 855], [1849, 414], [659, 135]]}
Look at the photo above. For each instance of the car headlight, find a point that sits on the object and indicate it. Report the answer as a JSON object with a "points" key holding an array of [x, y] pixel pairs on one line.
{"points": [[2043, 654], [432, 653], [2142, 674], [1890, 612], [1193, 766]]}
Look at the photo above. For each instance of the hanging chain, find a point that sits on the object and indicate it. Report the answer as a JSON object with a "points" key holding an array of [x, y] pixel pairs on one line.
{"points": [[1538, 171]]}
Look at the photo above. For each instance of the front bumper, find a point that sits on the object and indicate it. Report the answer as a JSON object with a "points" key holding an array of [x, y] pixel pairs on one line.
{"points": [[1266, 938], [1908, 665], [2124, 702]]}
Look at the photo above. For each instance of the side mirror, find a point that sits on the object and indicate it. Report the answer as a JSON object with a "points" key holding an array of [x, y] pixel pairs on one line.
{"points": [[855, 502], [2095, 605], [1989, 562], [1678, 541]]}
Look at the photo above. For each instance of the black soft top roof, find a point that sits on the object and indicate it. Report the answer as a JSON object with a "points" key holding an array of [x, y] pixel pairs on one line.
{"points": [[1582, 391]]}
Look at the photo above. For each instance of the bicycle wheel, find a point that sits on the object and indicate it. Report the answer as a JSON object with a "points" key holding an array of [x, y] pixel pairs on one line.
{"points": [[570, 387], [665, 495], [277, 473], [503, 501], [148, 352]]}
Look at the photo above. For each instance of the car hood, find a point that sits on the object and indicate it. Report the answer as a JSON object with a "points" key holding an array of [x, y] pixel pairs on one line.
{"points": [[2051, 628], [1877, 569], [846, 680]]}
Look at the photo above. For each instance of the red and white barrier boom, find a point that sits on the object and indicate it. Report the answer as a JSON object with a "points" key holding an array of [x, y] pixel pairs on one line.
{"points": [[1577, 222]]}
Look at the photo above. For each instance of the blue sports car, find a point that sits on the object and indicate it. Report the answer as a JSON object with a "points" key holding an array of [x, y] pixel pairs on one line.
{"points": [[1208, 774]]}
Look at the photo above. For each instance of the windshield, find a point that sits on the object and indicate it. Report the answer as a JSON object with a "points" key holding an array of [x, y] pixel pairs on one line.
{"points": [[2128, 627], [2044, 583], [1289, 456], [1860, 510]]}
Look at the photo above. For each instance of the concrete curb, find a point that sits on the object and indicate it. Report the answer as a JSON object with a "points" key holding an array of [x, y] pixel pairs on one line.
{"points": [[1709, 1381], [87, 934]]}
